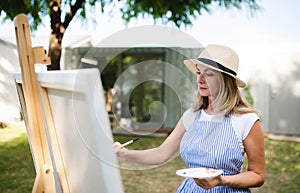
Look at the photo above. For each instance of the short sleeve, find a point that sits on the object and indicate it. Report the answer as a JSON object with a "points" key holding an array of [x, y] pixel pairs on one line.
{"points": [[188, 118], [243, 124]]}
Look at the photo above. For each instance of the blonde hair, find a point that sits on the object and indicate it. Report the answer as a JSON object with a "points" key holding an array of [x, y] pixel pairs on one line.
{"points": [[229, 98]]}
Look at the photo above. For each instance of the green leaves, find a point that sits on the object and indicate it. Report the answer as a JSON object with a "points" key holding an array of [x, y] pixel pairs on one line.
{"points": [[179, 12]]}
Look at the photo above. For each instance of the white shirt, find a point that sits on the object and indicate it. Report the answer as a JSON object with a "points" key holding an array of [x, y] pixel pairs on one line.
{"points": [[242, 123]]}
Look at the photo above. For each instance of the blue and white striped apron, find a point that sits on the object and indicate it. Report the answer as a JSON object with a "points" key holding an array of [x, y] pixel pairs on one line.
{"points": [[211, 144]]}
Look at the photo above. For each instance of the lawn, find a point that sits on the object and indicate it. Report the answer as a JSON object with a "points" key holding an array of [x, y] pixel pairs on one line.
{"points": [[17, 170]]}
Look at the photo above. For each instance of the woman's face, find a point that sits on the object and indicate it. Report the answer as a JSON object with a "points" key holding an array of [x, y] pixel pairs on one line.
{"points": [[208, 81]]}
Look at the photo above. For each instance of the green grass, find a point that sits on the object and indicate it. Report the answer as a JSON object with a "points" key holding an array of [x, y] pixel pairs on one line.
{"points": [[283, 167], [16, 167], [17, 171]]}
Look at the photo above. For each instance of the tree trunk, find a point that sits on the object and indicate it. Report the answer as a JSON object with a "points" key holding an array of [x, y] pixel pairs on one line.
{"points": [[58, 29], [57, 32], [55, 50]]}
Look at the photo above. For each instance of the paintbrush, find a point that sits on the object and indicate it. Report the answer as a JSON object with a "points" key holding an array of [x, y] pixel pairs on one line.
{"points": [[129, 142]]}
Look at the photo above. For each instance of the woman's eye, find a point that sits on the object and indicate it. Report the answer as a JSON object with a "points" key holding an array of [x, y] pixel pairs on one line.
{"points": [[198, 72], [208, 74]]}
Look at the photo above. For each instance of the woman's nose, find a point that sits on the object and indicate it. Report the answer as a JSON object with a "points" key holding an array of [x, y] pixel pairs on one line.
{"points": [[200, 78]]}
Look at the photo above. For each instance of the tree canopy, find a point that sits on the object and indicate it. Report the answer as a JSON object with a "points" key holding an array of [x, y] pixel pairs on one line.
{"points": [[62, 12]]}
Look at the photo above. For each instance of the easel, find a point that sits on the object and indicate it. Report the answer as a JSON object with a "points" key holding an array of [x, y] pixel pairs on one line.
{"points": [[38, 115]]}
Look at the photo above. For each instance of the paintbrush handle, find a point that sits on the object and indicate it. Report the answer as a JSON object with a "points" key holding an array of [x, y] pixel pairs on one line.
{"points": [[129, 142]]}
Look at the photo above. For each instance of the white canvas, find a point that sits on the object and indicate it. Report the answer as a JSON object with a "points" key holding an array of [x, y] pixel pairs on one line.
{"points": [[83, 130]]}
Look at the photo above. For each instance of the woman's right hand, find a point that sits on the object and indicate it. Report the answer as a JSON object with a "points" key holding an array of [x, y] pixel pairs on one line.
{"points": [[120, 151]]}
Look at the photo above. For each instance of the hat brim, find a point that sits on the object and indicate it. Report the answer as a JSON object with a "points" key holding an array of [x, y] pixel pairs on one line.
{"points": [[191, 65]]}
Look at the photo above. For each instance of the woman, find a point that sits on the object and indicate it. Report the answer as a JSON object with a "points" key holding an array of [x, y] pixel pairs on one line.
{"points": [[216, 132]]}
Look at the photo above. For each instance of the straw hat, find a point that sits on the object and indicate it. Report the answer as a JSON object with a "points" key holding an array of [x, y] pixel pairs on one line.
{"points": [[220, 58]]}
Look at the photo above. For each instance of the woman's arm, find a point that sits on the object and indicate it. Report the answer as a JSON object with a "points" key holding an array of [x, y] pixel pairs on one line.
{"points": [[254, 148], [156, 155], [255, 174]]}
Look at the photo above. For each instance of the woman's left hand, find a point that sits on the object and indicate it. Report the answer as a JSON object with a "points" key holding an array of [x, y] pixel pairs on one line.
{"points": [[209, 183]]}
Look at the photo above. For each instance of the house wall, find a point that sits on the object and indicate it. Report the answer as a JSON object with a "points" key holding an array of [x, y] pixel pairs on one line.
{"points": [[9, 63], [274, 74], [180, 82]]}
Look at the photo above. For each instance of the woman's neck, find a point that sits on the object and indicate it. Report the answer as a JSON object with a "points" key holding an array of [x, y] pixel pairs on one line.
{"points": [[209, 110]]}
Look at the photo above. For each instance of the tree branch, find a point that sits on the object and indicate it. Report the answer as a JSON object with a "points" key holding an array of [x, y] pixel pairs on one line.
{"points": [[70, 15]]}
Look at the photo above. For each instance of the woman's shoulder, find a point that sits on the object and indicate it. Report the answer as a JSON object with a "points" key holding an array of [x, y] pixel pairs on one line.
{"points": [[245, 116], [188, 117], [244, 122], [190, 111]]}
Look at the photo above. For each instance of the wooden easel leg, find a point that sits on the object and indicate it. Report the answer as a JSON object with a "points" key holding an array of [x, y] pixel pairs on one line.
{"points": [[38, 184], [34, 123], [59, 164], [48, 178]]}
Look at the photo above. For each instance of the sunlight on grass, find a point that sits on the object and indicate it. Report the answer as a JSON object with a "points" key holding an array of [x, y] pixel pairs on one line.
{"points": [[12, 131]]}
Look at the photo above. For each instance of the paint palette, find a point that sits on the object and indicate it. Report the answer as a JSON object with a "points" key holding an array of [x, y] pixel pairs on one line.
{"points": [[200, 173]]}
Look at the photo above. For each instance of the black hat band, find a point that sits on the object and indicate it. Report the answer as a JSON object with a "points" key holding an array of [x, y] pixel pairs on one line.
{"points": [[216, 65]]}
